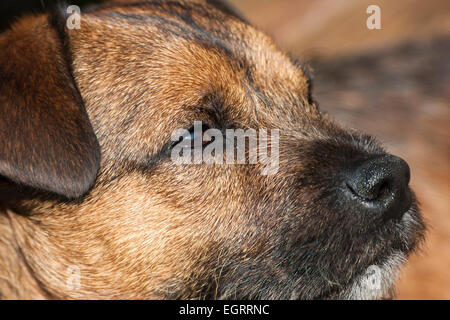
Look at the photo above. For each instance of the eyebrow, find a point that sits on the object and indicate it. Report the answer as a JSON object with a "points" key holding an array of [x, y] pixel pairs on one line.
{"points": [[214, 107]]}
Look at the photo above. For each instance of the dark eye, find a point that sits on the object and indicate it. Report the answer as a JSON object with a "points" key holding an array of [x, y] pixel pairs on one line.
{"points": [[196, 136]]}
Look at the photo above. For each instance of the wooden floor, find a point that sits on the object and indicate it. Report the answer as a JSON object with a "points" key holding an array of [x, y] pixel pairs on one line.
{"points": [[393, 83]]}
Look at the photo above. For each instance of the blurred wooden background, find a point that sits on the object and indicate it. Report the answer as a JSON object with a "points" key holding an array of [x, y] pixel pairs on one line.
{"points": [[393, 83]]}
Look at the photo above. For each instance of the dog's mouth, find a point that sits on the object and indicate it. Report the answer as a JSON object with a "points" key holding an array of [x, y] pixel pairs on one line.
{"points": [[371, 275]]}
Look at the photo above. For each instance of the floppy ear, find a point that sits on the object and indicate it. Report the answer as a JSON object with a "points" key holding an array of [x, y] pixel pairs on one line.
{"points": [[46, 139]]}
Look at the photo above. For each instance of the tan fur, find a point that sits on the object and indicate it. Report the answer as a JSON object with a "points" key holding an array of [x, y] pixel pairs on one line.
{"points": [[146, 235], [122, 228]]}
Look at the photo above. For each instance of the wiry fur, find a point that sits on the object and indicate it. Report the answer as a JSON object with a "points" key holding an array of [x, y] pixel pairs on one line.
{"points": [[151, 229]]}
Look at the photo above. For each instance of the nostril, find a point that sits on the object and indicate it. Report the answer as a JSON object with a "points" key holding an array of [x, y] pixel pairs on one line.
{"points": [[368, 187], [381, 189], [368, 193], [380, 185]]}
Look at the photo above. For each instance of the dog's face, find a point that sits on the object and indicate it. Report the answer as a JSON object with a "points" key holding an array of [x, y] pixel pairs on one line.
{"points": [[335, 220]]}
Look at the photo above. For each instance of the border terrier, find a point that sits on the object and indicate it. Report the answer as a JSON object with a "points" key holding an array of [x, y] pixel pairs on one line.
{"points": [[92, 206]]}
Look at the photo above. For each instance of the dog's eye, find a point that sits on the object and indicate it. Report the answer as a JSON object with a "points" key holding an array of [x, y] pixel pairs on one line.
{"points": [[193, 135], [197, 136]]}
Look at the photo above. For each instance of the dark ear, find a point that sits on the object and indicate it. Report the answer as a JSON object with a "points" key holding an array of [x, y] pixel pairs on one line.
{"points": [[46, 139]]}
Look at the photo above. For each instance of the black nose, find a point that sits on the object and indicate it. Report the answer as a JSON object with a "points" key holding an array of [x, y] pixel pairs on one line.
{"points": [[380, 186]]}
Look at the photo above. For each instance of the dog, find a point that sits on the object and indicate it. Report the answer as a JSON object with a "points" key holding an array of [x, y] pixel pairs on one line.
{"points": [[93, 206]]}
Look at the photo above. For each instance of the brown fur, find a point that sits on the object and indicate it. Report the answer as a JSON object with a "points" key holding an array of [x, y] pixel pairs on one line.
{"points": [[148, 228]]}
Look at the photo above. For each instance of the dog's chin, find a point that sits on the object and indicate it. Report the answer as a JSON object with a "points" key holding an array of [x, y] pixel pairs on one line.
{"points": [[368, 278], [378, 280]]}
